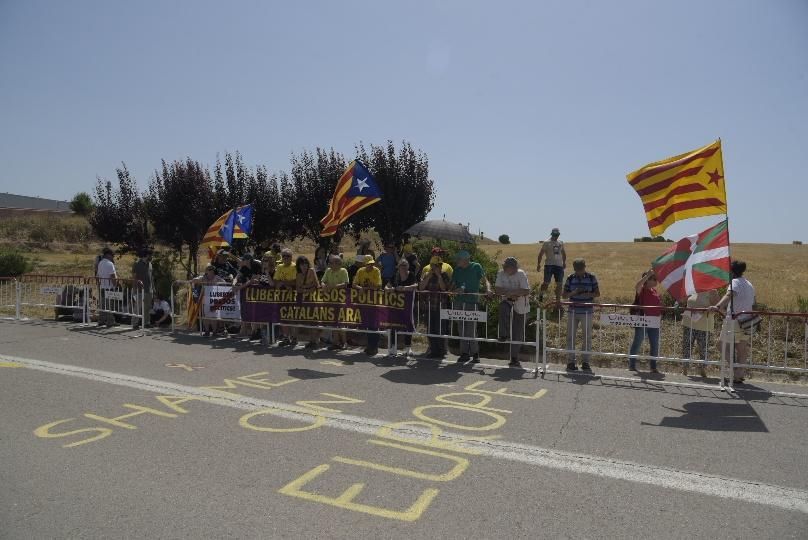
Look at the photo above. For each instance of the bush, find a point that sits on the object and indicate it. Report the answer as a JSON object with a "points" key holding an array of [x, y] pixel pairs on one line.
{"points": [[504, 239], [13, 263], [164, 270], [82, 204]]}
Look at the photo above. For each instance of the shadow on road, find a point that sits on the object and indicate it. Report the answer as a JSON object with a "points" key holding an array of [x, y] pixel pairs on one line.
{"points": [[711, 416]]}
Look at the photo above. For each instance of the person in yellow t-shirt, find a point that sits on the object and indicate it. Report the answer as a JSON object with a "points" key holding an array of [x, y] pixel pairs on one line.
{"points": [[445, 268], [368, 277], [286, 278]]}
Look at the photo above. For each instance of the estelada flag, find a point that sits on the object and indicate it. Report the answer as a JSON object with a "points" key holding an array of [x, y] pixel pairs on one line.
{"points": [[356, 190], [696, 263], [232, 224], [684, 186]]}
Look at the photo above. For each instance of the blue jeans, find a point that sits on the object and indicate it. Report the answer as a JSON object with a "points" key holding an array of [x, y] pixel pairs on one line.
{"points": [[636, 345]]}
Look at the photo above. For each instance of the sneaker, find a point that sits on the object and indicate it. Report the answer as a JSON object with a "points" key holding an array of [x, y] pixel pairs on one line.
{"points": [[475, 359], [334, 347], [205, 334], [654, 371], [462, 359], [572, 367], [585, 366], [514, 363]]}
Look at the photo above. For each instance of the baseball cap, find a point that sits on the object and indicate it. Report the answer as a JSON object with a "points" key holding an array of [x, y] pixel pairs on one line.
{"points": [[555, 231], [462, 254]]}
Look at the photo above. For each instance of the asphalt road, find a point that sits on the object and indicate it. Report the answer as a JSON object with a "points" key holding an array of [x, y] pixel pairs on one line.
{"points": [[105, 434]]}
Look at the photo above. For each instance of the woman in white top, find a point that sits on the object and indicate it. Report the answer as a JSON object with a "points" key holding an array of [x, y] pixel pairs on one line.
{"points": [[740, 298]]}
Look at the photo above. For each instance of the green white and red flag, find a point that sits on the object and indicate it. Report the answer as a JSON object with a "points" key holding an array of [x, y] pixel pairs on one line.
{"points": [[697, 263]]}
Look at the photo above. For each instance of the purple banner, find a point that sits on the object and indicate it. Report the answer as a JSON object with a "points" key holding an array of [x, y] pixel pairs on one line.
{"points": [[344, 308]]}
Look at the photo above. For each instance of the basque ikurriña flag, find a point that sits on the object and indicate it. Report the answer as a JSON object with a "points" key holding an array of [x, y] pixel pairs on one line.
{"points": [[696, 263], [356, 190]]}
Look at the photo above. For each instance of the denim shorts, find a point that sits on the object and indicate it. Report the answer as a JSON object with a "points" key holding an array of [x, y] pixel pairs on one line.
{"points": [[553, 271]]}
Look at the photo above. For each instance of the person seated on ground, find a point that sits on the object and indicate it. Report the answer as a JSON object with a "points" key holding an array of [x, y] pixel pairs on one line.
{"points": [[306, 282], [368, 277], [160, 314], [404, 280], [334, 278], [210, 277]]}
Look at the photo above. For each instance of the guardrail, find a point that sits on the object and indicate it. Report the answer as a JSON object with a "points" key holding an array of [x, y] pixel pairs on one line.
{"points": [[66, 295]]}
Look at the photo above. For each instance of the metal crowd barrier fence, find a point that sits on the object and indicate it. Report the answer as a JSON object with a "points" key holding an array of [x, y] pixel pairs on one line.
{"points": [[769, 341], [123, 298], [210, 307], [66, 295], [9, 298], [467, 318], [609, 331]]}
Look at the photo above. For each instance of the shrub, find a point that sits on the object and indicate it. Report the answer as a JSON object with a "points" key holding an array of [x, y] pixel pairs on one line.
{"points": [[165, 265], [504, 239], [82, 204], [14, 263]]}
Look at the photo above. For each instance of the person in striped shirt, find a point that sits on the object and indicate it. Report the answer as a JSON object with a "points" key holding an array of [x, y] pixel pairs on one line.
{"points": [[580, 287]]}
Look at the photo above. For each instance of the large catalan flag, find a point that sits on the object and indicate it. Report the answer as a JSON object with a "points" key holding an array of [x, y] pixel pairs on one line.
{"points": [[684, 186], [356, 190], [235, 223]]}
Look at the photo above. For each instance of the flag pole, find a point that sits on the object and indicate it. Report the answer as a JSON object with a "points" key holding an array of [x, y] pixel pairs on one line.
{"points": [[731, 329]]}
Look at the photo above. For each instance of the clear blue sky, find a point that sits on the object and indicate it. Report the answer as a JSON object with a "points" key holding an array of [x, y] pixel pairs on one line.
{"points": [[531, 112]]}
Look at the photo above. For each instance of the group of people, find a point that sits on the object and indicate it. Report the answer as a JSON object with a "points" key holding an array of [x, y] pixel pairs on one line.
{"points": [[158, 312], [581, 289]]}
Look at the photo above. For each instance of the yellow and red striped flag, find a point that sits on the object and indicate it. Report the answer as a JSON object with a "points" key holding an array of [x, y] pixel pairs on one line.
{"points": [[356, 190], [684, 186]]}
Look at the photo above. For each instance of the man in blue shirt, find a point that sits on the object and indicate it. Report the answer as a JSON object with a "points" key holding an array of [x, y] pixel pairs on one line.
{"points": [[388, 262], [581, 287]]}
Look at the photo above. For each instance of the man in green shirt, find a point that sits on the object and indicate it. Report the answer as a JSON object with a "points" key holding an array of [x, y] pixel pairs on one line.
{"points": [[467, 278]]}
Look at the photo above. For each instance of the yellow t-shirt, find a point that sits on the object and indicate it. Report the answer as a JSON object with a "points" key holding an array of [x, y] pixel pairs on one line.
{"points": [[285, 272], [447, 269], [368, 276]]}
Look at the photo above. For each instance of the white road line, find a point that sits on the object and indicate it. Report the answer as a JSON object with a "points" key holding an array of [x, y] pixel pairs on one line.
{"points": [[707, 484]]}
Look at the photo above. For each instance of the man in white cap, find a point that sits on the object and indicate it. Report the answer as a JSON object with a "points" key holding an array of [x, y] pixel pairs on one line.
{"points": [[554, 264], [513, 285]]}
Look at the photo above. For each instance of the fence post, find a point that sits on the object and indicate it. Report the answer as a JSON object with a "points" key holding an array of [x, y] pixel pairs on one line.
{"points": [[391, 345], [538, 339], [173, 316], [17, 299], [544, 340]]}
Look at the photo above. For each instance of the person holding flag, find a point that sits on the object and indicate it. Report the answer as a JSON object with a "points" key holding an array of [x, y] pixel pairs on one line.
{"points": [[736, 303]]}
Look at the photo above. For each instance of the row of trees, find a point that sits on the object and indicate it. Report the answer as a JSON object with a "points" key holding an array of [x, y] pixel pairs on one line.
{"points": [[184, 197]]}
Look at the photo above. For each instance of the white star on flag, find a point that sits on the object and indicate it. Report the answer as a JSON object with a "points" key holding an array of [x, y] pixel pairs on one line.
{"points": [[240, 218], [361, 183]]}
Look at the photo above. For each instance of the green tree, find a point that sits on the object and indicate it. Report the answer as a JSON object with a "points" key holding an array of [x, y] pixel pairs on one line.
{"points": [[82, 204], [408, 192], [120, 214], [504, 239]]}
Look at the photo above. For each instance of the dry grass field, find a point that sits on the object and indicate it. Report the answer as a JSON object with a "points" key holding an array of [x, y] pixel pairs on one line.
{"points": [[779, 272]]}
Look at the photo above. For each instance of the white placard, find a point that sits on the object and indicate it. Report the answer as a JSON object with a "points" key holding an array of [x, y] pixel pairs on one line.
{"points": [[51, 290], [463, 315], [623, 319], [221, 303], [113, 295]]}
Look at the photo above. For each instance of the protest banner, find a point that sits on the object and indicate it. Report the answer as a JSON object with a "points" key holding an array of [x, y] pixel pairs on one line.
{"points": [[220, 302], [340, 308], [623, 319]]}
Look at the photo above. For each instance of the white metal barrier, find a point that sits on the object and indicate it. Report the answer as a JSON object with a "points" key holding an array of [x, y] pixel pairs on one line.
{"points": [[123, 298], [66, 295], [466, 318], [608, 331], [768, 341], [9, 298], [210, 307]]}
